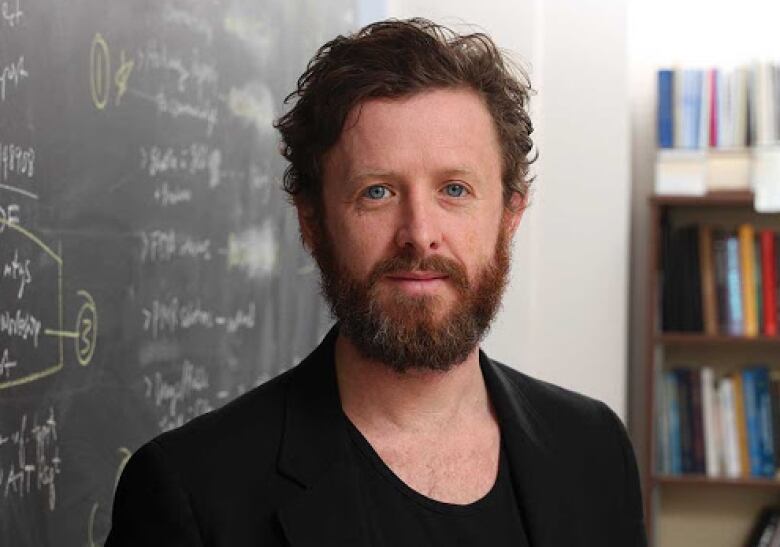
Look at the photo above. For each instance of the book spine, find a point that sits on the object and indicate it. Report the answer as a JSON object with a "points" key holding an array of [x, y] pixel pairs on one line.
{"points": [[774, 387], [714, 98], [768, 286], [675, 444], [721, 279], [739, 413], [697, 422], [747, 266], [710, 422], [686, 417], [751, 421], [708, 288], [757, 275], [734, 280], [764, 411], [666, 109], [729, 422]]}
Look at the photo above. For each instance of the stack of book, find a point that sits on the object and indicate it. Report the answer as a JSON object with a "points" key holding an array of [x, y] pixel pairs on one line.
{"points": [[716, 280], [719, 108], [719, 427], [715, 126]]}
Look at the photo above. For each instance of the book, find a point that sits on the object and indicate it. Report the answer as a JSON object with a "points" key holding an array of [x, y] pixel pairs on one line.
{"points": [[731, 449], [721, 282], [736, 325], [750, 399], [712, 439], [758, 278], [764, 419], [708, 286], [747, 267], [674, 440], [665, 114], [685, 400], [741, 424], [769, 287], [774, 388], [698, 448]]}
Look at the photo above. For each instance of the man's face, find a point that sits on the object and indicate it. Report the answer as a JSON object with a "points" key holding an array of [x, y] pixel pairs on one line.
{"points": [[413, 236]]}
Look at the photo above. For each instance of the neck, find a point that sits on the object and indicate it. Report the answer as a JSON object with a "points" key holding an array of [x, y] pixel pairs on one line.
{"points": [[376, 397]]}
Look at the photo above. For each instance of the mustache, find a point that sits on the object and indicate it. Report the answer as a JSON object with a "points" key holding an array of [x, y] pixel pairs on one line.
{"points": [[410, 263]]}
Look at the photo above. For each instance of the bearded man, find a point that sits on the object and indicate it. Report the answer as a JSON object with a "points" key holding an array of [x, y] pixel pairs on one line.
{"points": [[409, 156]]}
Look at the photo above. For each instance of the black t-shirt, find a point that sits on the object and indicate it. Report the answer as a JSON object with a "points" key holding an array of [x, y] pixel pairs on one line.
{"points": [[398, 515]]}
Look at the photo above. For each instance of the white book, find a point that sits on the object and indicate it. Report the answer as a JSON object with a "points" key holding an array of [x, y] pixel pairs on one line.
{"points": [[729, 421], [740, 113], [708, 411], [704, 119]]}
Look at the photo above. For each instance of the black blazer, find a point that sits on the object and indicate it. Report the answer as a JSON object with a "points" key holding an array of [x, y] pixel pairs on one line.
{"points": [[274, 468]]}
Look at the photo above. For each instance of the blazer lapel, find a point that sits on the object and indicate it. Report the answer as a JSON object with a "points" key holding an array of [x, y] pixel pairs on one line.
{"points": [[315, 453], [537, 467]]}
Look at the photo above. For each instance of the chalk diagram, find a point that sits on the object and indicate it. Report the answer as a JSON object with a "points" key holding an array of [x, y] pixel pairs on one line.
{"points": [[41, 322]]}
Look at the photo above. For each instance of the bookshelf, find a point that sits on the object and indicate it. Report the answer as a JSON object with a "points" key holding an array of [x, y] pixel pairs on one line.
{"points": [[694, 509]]}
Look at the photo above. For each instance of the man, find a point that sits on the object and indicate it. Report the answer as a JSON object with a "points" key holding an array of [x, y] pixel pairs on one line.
{"points": [[408, 149]]}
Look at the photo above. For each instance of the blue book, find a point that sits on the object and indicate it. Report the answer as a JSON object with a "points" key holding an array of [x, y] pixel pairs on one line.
{"points": [[675, 447], [751, 421], [665, 108], [734, 287], [691, 106], [764, 409]]}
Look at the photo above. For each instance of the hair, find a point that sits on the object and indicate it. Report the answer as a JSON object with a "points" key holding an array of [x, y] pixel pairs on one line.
{"points": [[397, 58]]}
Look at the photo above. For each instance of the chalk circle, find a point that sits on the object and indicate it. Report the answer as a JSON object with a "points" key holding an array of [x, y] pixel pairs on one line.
{"points": [[87, 329]]}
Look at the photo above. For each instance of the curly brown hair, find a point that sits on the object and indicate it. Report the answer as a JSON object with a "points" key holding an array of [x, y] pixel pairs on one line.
{"points": [[396, 58]]}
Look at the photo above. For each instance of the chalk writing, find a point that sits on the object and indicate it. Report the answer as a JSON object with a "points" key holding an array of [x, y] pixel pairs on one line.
{"points": [[166, 245], [155, 56], [16, 160], [180, 399], [168, 196], [203, 111], [20, 325], [6, 364], [193, 159], [170, 316], [30, 459], [10, 215], [12, 73], [12, 12], [100, 73], [17, 270], [189, 21]]}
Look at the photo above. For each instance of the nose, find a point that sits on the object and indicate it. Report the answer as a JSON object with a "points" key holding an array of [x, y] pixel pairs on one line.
{"points": [[418, 228]]}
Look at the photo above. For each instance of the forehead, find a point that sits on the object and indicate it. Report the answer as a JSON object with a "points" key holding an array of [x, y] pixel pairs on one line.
{"points": [[436, 129]]}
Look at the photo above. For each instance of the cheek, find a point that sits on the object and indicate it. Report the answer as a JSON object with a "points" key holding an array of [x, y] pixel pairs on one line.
{"points": [[359, 245]]}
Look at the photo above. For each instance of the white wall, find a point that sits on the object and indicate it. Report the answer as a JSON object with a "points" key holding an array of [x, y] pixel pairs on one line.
{"points": [[564, 316]]}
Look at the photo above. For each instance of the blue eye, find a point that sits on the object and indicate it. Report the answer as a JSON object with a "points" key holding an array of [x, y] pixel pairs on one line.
{"points": [[455, 190], [376, 192]]}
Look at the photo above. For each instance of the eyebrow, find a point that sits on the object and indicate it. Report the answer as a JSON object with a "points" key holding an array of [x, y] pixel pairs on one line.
{"points": [[384, 174]]}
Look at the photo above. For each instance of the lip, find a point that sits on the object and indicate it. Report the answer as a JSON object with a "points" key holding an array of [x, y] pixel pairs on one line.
{"points": [[416, 276]]}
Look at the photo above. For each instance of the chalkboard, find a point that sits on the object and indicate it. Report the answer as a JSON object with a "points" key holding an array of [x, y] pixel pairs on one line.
{"points": [[150, 267]]}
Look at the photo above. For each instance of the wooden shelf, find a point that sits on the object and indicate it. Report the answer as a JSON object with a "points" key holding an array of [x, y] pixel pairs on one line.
{"points": [[697, 480], [737, 198], [681, 338]]}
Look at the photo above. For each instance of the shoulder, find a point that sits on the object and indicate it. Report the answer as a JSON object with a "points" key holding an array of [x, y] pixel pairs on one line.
{"points": [[552, 403], [252, 421]]}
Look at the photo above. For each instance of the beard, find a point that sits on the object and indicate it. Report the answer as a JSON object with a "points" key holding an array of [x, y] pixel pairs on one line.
{"points": [[403, 331]]}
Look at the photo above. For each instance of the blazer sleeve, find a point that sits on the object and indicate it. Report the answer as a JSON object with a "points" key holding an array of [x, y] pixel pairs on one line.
{"points": [[151, 508], [632, 524]]}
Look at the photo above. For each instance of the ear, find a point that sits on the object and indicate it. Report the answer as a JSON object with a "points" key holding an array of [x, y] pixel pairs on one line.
{"points": [[514, 213], [306, 221]]}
